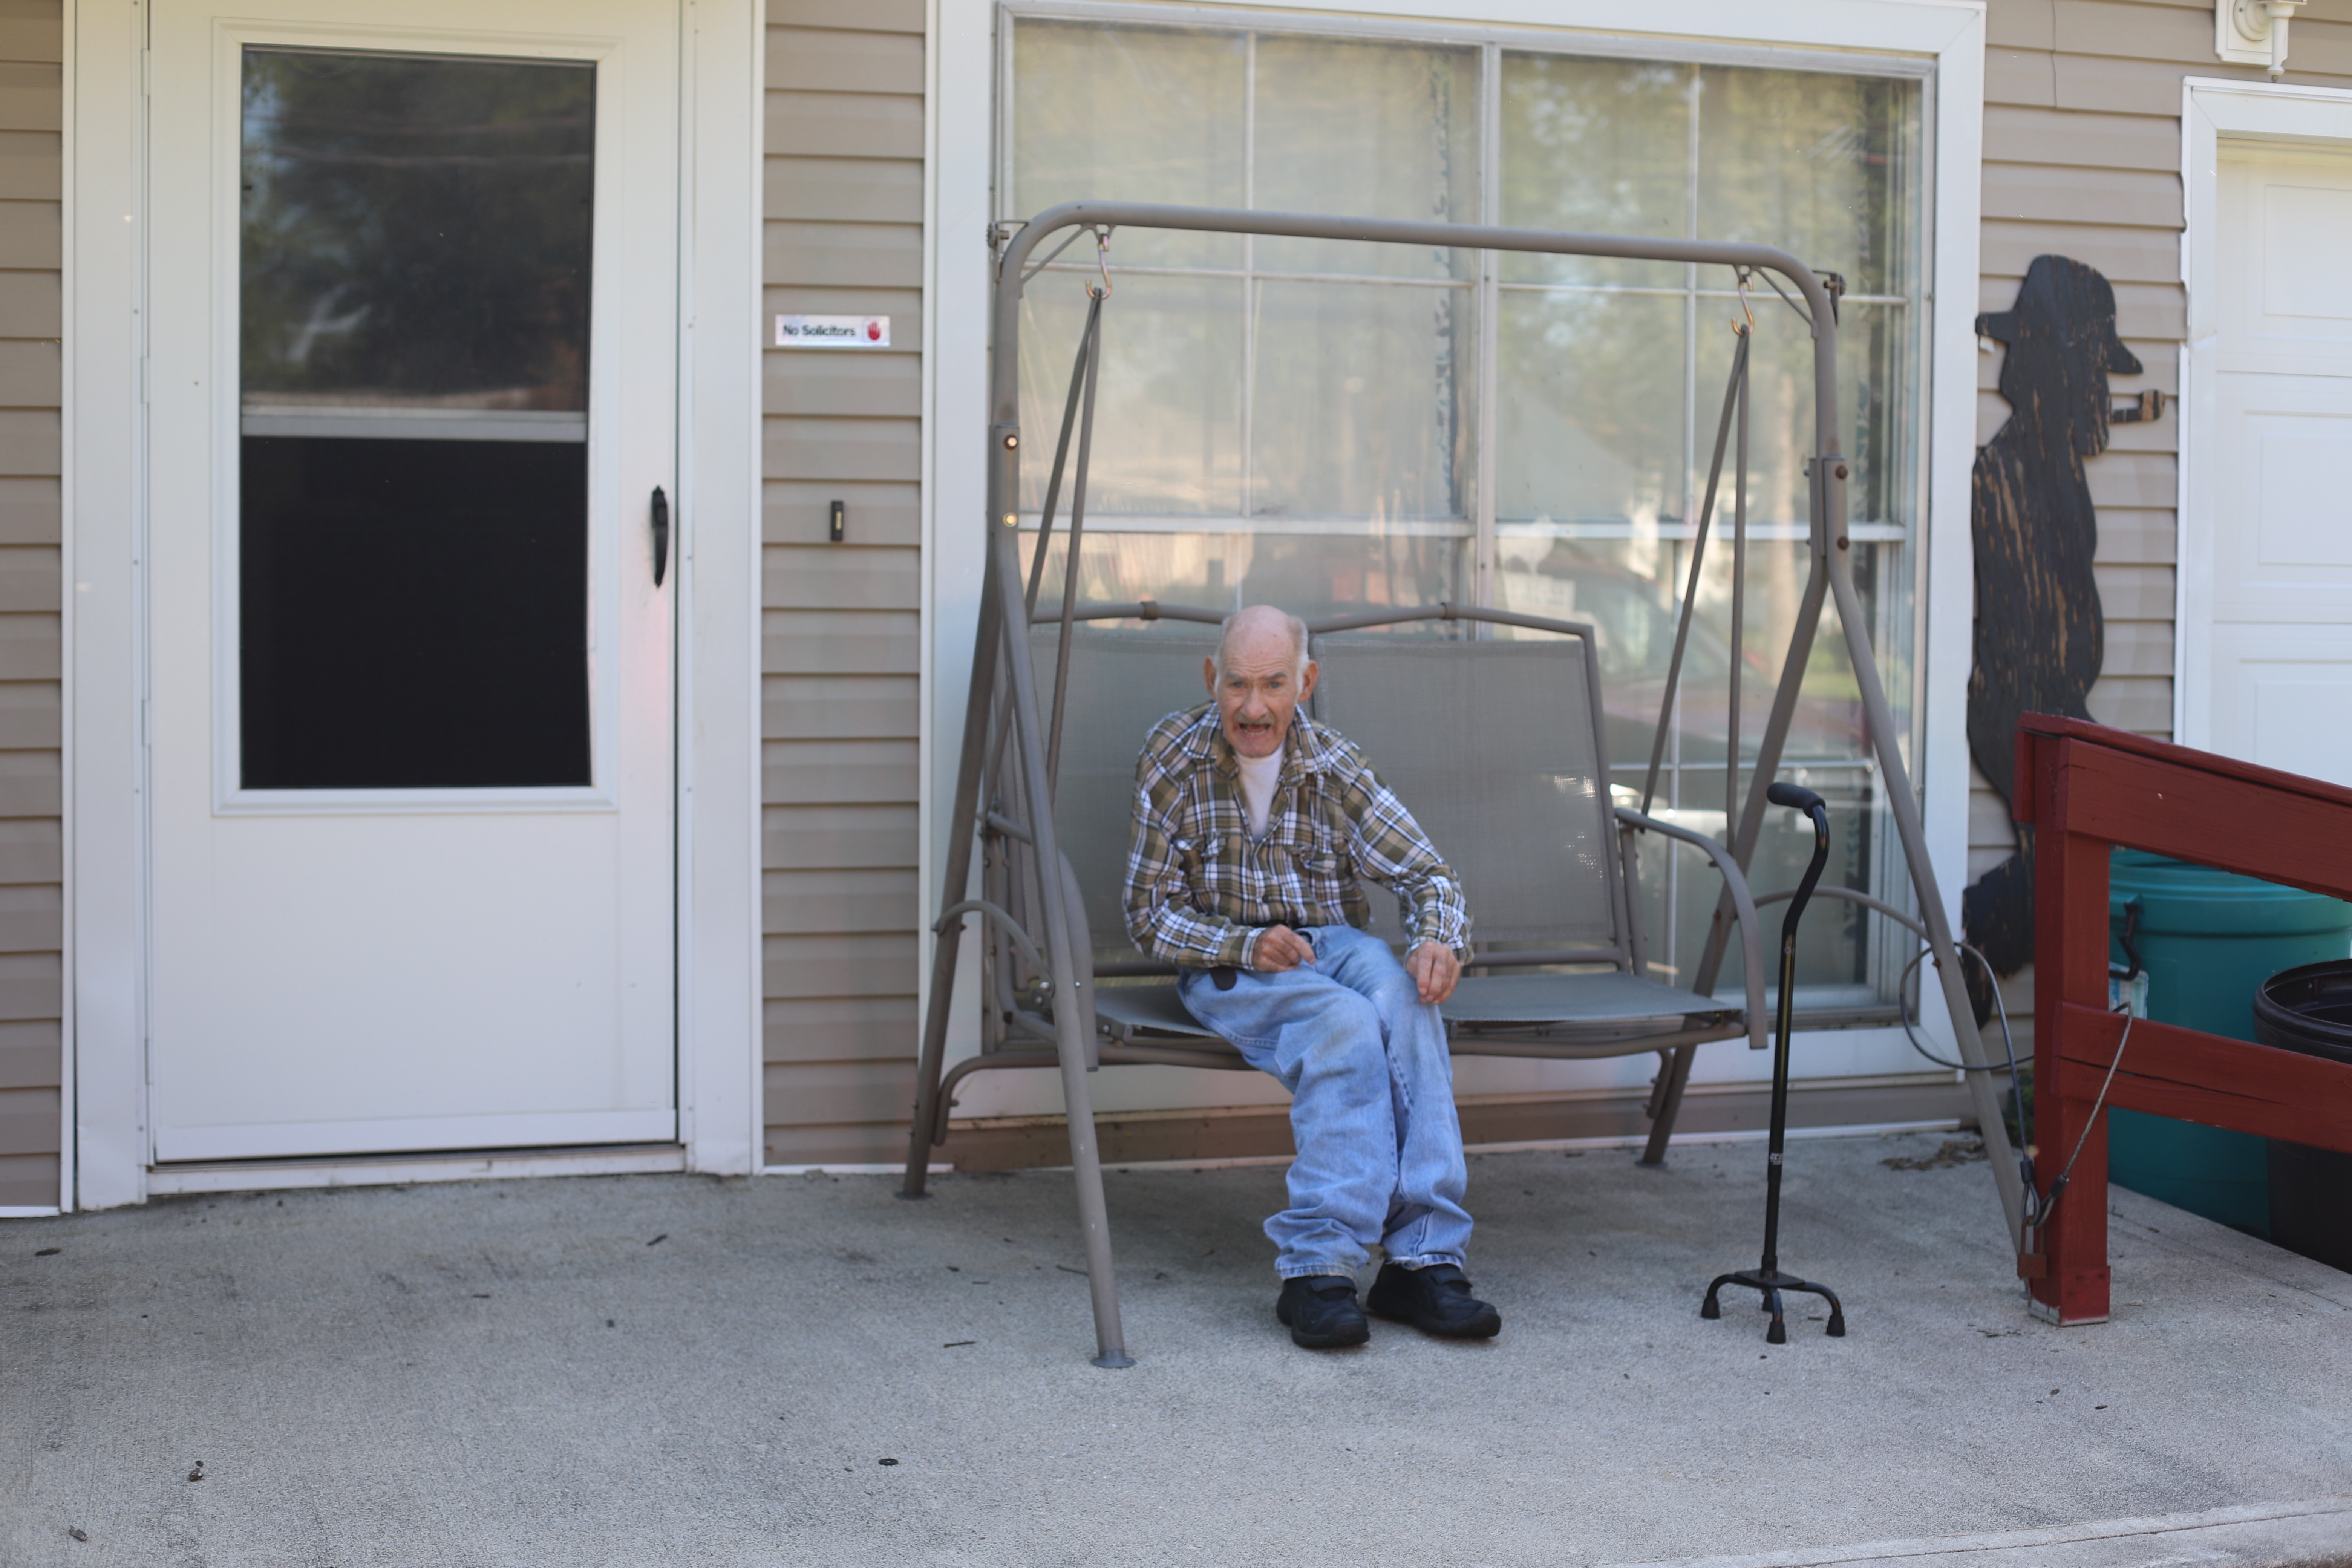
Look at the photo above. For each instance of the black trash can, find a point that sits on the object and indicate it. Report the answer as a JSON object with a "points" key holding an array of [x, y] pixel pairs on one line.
{"points": [[2309, 1009]]}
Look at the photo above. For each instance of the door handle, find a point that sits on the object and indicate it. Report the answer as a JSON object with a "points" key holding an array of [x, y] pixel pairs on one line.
{"points": [[661, 534]]}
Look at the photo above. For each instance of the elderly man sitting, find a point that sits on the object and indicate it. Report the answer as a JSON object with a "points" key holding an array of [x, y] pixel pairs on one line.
{"points": [[1252, 825]]}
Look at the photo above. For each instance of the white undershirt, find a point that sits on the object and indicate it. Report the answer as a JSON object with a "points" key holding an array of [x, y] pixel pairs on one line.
{"points": [[1258, 777]]}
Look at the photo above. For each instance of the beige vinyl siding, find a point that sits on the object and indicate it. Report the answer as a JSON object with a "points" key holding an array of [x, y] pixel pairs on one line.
{"points": [[2082, 158], [839, 634], [32, 926]]}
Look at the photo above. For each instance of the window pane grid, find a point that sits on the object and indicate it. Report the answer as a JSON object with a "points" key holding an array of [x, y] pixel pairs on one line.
{"points": [[1304, 96]]}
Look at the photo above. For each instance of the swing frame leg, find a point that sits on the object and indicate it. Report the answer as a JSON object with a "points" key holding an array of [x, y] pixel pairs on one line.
{"points": [[964, 815], [1667, 1104]]}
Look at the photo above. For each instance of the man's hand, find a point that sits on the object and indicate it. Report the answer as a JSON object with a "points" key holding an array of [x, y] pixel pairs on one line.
{"points": [[1434, 969], [1279, 948]]}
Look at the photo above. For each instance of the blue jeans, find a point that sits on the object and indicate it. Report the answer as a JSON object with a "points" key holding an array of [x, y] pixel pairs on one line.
{"points": [[1371, 1108]]}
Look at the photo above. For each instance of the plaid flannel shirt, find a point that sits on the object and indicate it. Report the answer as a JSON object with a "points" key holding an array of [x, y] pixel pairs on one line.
{"points": [[1198, 888]]}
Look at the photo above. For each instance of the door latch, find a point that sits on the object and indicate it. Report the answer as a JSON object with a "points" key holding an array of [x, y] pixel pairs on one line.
{"points": [[661, 534]]}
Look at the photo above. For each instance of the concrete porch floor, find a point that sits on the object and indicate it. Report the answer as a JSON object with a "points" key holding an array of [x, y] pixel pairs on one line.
{"points": [[676, 1370]]}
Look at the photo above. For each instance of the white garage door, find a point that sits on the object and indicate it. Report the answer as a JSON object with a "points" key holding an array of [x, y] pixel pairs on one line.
{"points": [[2267, 605]]}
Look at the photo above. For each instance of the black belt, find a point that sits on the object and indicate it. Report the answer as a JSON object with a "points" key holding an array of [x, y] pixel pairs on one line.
{"points": [[1225, 974]]}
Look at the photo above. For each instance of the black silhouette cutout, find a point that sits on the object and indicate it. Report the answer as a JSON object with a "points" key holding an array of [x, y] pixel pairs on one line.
{"points": [[2040, 638]]}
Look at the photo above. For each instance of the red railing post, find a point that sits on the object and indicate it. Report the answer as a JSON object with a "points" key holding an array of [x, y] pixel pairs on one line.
{"points": [[2068, 1281]]}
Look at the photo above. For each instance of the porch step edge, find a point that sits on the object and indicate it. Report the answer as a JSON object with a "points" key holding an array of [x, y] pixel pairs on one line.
{"points": [[2316, 1533]]}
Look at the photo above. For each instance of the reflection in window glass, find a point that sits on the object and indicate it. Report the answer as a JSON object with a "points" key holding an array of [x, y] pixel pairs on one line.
{"points": [[1596, 147], [1589, 416], [1309, 574], [1816, 163], [1315, 438], [416, 231], [1168, 399], [1819, 165], [1358, 401], [1380, 129], [1138, 115], [1231, 387]]}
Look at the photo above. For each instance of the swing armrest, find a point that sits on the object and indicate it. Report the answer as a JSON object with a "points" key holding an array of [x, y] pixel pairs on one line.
{"points": [[1751, 937]]}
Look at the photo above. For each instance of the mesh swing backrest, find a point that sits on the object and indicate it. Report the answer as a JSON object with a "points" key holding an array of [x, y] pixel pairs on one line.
{"points": [[1121, 684], [1495, 749]]}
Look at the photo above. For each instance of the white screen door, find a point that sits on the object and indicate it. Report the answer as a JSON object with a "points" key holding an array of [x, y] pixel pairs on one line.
{"points": [[412, 285], [2267, 649]]}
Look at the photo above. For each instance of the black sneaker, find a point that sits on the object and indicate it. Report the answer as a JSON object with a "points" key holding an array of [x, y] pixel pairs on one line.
{"points": [[1435, 1300], [1321, 1311]]}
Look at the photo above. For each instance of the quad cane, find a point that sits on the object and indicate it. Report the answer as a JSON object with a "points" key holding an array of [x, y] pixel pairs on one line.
{"points": [[1768, 1277]]}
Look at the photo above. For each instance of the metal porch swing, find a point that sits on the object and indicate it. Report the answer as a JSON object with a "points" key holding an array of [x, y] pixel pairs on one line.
{"points": [[1476, 734]]}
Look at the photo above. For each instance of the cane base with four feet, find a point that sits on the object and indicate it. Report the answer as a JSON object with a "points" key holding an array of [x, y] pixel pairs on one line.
{"points": [[1772, 1282]]}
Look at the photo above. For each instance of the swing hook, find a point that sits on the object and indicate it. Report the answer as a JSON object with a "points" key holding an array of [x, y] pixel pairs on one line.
{"points": [[1102, 264], [1746, 281]]}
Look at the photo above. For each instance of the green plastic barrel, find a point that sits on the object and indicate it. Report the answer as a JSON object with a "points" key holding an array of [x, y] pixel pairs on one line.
{"points": [[2207, 939]]}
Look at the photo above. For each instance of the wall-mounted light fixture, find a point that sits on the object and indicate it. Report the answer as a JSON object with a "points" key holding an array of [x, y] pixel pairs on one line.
{"points": [[2253, 32]]}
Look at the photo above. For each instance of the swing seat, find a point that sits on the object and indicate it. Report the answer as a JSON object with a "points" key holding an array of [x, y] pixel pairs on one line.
{"points": [[1587, 1008], [1497, 748]]}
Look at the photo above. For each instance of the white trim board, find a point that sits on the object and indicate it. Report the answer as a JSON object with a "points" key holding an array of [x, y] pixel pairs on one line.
{"points": [[262, 1177], [424, 1135], [104, 484], [68, 1107], [2214, 110], [929, 758], [105, 438], [1942, 41], [719, 1063]]}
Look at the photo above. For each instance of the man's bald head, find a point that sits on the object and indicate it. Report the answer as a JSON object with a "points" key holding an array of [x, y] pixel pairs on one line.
{"points": [[1260, 633], [1259, 678]]}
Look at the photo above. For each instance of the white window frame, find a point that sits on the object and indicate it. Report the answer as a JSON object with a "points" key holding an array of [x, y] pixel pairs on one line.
{"points": [[1941, 41], [718, 481]]}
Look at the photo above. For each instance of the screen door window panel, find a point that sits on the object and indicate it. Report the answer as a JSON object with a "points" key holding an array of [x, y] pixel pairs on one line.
{"points": [[414, 342], [414, 614]]}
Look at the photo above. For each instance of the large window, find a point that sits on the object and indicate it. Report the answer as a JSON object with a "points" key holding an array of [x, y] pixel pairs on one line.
{"points": [[1322, 424]]}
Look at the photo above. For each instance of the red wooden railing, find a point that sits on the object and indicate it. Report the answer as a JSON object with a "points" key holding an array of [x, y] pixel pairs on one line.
{"points": [[2086, 788]]}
